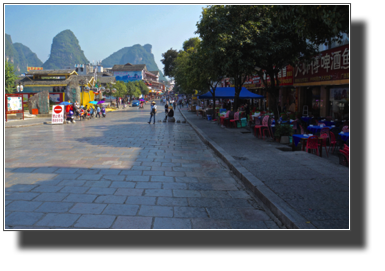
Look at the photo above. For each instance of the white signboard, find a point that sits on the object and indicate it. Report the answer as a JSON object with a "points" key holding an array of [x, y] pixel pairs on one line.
{"points": [[14, 103], [57, 114]]}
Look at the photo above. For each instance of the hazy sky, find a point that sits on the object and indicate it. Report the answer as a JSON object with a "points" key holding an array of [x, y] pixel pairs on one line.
{"points": [[103, 29]]}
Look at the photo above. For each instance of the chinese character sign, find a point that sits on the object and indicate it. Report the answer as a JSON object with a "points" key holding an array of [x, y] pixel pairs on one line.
{"points": [[57, 114], [34, 68], [329, 65]]}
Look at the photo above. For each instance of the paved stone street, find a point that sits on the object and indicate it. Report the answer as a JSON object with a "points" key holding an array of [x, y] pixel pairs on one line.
{"points": [[122, 173], [316, 189]]}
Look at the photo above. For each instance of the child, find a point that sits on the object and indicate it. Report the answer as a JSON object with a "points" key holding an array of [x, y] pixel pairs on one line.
{"points": [[103, 112]]}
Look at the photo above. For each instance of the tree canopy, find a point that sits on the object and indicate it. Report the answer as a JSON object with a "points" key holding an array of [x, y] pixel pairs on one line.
{"points": [[317, 23], [168, 61]]}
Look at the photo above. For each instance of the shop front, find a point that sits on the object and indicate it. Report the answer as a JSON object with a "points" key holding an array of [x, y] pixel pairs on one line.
{"points": [[323, 84]]}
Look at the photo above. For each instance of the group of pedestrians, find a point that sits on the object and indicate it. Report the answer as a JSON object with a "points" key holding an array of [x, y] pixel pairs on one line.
{"points": [[168, 109], [83, 112], [121, 102]]}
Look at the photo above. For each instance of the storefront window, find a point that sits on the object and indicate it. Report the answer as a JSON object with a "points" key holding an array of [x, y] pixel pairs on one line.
{"points": [[339, 102], [316, 101]]}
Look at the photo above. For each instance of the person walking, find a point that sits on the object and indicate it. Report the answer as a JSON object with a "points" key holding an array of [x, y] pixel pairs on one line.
{"points": [[171, 113], [166, 110], [153, 112], [97, 112], [76, 109]]}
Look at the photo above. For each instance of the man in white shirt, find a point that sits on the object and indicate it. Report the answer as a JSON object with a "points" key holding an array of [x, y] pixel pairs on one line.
{"points": [[153, 112]]}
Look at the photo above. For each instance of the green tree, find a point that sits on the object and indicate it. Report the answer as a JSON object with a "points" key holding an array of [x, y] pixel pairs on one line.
{"points": [[142, 87], [227, 32], [278, 46], [317, 23], [204, 70], [121, 89], [191, 43], [132, 90], [168, 61], [10, 78], [182, 73]]}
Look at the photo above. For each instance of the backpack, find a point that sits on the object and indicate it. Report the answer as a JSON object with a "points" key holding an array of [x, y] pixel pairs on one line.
{"points": [[153, 110]]}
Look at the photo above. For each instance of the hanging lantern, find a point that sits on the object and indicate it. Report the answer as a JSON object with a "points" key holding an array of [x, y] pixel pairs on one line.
{"points": [[113, 90]]}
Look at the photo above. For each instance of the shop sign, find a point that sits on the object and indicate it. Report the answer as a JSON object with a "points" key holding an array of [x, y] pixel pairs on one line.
{"points": [[329, 65], [34, 69], [57, 114], [285, 76]]}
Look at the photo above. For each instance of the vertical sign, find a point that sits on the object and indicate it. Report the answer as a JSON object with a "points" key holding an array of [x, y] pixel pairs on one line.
{"points": [[57, 114]]}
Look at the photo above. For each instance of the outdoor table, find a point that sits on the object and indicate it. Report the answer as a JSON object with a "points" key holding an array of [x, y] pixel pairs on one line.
{"points": [[344, 136], [327, 122], [283, 122], [306, 119], [302, 138], [317, 129]]}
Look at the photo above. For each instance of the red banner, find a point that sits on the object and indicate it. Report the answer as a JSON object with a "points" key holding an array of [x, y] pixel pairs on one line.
{"points": [[34, 68], [329, 65]]}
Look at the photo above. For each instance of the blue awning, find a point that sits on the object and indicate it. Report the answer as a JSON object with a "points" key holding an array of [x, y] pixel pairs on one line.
{"points": [[229, 93]]}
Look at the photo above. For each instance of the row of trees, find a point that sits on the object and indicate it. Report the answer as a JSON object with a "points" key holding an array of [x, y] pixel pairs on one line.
{"points": [[239, 41], [132, 89]]}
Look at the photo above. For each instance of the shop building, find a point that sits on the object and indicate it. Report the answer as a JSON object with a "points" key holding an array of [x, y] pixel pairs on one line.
{"points": [[62, 85], [322, 85]]}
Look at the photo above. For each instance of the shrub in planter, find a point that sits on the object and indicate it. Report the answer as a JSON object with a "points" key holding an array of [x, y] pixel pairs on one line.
{"points": [[283, 131]]}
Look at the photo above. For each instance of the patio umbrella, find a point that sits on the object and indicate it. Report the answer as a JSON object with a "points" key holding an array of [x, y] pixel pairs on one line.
{"points": [[100, 102], [141, 100], [93, 102], [65, 103]]}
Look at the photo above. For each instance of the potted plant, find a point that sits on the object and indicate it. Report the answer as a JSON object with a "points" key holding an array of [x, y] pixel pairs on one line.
{"points": [[282, 132]]}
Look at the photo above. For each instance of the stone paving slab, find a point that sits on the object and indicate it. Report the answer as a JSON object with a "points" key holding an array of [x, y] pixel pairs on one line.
{"points": [[144, 177]]}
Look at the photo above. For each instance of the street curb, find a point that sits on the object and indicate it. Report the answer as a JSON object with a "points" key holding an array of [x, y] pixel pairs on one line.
{"points": [[286, 214], [26, 125]]}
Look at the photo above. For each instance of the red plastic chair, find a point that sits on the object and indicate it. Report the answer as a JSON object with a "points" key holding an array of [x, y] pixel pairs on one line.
{"points": [[222, 119], [333, 141], [236, 118], [344, 156], [267, 129], [264, 125], [325, 131], [346, 147], [312, 144], [345, 129], [325, 138]]}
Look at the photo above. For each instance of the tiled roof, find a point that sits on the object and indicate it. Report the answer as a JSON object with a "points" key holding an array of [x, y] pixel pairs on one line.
{"points": [[51, 72], [75, 79], [138, 67], [155, 72]]}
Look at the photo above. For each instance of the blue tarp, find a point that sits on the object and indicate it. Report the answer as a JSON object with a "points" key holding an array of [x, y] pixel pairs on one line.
{"points": [[228, 93]]}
